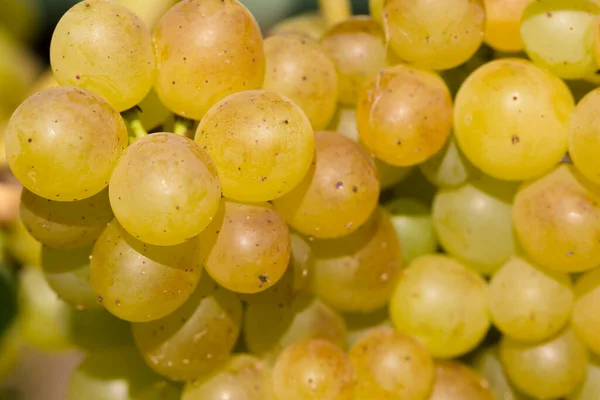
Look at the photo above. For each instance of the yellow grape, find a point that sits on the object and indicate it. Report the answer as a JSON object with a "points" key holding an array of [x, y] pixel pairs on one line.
{"points": [[591, 386], [140, 282], [21, 246], [193, 75], [434, 34], [502, 25], [149, 12], [585, 319], [545, 370], [165, 189], [86, 53], [360, 324], [63, 224], [449, 167], [339, 192], [442, 304], [299, 68], [584, 134], [511, 119], [246, 247], [63, 143], [456, 381], [357, 47], [376, 9], [261, 143], [313, 370], [194, 339], [308, 24], [357, 272], [487, 363], [404, 116], [345, 124], [390, 365], [557, 220]]}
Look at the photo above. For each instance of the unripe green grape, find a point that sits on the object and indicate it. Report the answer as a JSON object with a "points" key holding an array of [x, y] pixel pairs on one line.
{"points": [[456, 381], [584, 134], [449, 167], [487, 364], [585, 319], [591, 386]]}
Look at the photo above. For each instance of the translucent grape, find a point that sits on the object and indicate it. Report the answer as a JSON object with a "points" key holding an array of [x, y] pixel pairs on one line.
{"points": [[62, 224], [449, 167], [487, 364], [164, 190], [85, 53], [309, 24], [556, 221], [194, 339], [511, 119], [584, 136], [261, 143], [442, 304], [376, 10], [139, 282], [344, 123], [585, 319], [360, 324], [391, 365], [456, 381], [151, 12], [404, 116], [313, 370], [299, 68], [434, 34], [63, 143], [502, 24], [226, 55], [545, 370], [591, 386]]}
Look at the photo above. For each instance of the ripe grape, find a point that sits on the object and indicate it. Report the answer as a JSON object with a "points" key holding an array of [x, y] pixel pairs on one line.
{"points": [[151, 12], [261, 143], [139, 282], [360, 324], [487, 364], [225, 56], [404, 115], [511, 119], [308, 24], [63, 143], [591, 386], [456, 381], [164, 190], [584, 134], [104, 47], [502, 25], [585, 319], [442, 304], [449, 167]]}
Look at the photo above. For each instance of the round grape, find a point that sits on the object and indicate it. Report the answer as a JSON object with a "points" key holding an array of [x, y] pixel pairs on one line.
{"points": [[449, 167], [487, 363], [502, 24]]}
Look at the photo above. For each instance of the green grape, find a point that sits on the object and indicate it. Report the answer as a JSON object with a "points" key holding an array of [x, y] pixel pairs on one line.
{"points": [[63, 143], [21, 246], [585, 319], [376, 10], [528, 303], [164, 190], [308, 24], [502, 25], [591, 386], [339, 192], [412, 220], [456, 381], [118, 374], [473, 223], [434, 34], [359, 324], [558, 35], [511, 119], [197, 337], [65, 224], [404, 116], [260, 241], [442, 304], [226, 55], [556, 220], [487, 364], [313, 369], [584, 134], [243, 377], [86, 53], [357, 47], [545, 370], [299, 68], [153, 112], [357, 272], [449, 167], [391, 365], [139, 282], [149, 12]]}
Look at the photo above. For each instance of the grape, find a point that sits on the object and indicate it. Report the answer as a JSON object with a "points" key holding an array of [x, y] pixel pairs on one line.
{"points": [[86, 53], [149, 12], [391, 365], [62, 224], [357, 273], [309, 24], [502, 25], [473, 223], [164, 190], [412, 220], [376, 9], [357, 46], [545, 370], [339, 192], [269, 328], [487, 364], [139, 282], [344, 123], [404, 116], [556, 221], [558, 35], [591, 386], [225, 56], [21, 246], [442, 304], [434, 34], [528, 303], [299, 68], [456, 381], [313, 370], [585, 319], [449, 167], [261, 243], [243, 377], [360, 324], [584, 134], [511, 119], [194, 339], [63, 143], [261, 143]]}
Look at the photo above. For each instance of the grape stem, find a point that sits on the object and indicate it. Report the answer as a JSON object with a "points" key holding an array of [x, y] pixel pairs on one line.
{"points": [[182, 126], [335, 11], [135, 128]]}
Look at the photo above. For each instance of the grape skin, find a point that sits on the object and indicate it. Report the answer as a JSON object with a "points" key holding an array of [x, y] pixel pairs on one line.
{"points": [[449, 167], [487, 363], [456, 381]]}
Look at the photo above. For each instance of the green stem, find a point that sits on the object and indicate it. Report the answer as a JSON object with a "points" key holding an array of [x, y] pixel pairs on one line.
{"points": [[134, 124], [183, 126]]}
